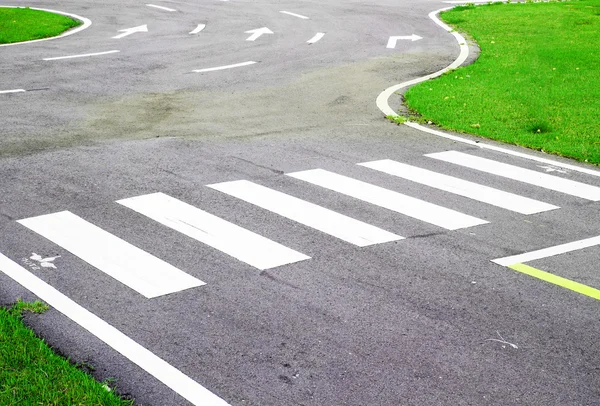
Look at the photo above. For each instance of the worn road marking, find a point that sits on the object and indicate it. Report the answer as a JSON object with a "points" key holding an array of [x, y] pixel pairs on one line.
{"points": [[517, 173], [330, 222], [318, 36], [294, 15], [461, 187], [237, 65], [233, 240], [409, 206], [160, 7], [119, 259], [81, 55], [142, 357]]}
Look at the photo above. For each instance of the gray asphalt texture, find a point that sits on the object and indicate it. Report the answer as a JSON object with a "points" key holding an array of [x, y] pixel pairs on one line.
{"points": [[401, 323]]}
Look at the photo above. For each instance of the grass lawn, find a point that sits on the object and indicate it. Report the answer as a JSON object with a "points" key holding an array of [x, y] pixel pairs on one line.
{"points": [[535, 84], [24, 24], [32, 374]]}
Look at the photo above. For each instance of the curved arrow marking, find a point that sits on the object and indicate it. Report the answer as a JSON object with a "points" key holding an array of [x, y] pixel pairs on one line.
{"points": [[316, 38], [393, 40], [256, 33], [199, 28]]}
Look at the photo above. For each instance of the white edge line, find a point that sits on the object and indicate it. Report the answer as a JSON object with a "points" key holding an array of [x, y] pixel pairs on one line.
{"points": [[548, 252], [161, 7], [12, 91], [237, 65], [295, 15], [86, 23], [383, 98], [145, 359], [316, 38], [81, 55]]}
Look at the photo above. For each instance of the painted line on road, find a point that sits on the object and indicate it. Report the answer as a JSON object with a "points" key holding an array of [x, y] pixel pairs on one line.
{"points": [[142, 272], [548, 252], [471, 190], [231, 239], [517, 173], [142, 357], [160, 7], [198, 29], [237, 65], [330, 222], [81, 55], [86, 23], [403, 204], [295, 15], [318, 36], [12, 91], [557, 280], [383, 104], [517, 263]]}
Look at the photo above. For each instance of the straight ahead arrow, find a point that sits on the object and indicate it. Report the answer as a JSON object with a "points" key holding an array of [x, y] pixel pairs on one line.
{"points": [[129, 31], [392, 41], [257, 33]]}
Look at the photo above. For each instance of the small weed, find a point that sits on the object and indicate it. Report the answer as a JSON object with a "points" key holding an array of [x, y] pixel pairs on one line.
{"points": [[33, 307], [541, 127], [397, 119]]}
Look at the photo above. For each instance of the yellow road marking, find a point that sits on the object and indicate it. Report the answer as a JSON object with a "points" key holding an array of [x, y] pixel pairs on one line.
{"points": [[557, 280]]}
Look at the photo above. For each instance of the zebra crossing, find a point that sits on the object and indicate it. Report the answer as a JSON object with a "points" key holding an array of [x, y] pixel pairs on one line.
{"points": [[152, 277]]}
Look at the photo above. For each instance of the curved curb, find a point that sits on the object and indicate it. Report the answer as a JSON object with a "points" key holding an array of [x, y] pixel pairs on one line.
{"points": [[382, 103], [86, 23], [382, 99]]}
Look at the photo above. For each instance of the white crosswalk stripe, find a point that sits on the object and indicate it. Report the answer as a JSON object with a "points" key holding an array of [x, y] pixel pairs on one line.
{"points": [[251, 248], [461, 187], [343, 227], [529, 176], [124, 262], [409, 206]]}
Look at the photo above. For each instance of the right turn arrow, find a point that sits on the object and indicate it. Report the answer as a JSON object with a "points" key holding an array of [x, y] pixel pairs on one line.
{"points": [[392, 41]]}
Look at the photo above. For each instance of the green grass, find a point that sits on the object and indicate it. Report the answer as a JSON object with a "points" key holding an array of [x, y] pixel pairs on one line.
{"points": [[32, 374], [24, 24], [535, 84]]}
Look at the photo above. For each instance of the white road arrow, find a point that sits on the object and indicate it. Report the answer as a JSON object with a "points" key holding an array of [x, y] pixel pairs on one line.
{"points": [[129, 31], [392, 41], [257, 33]]}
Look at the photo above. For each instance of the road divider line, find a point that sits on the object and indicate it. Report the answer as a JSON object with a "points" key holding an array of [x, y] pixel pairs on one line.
{"points": [[548, 252], [12, 91], [233, 240], [81, 55], [403, 204], [160, 7], [311, 215], [237, 65], [461, 187], [199, 28], [295, 15], [517, 173], [142, 272], [142, 357], [557, 280], [318, 36]]}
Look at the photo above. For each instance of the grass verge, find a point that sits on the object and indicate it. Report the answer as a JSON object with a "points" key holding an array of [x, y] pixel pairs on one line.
{"points": [[25, 24], [535, 84], [32, 374]]}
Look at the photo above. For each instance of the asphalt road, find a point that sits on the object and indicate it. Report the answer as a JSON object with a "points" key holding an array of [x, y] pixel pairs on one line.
{"points": [[421, 316]]}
